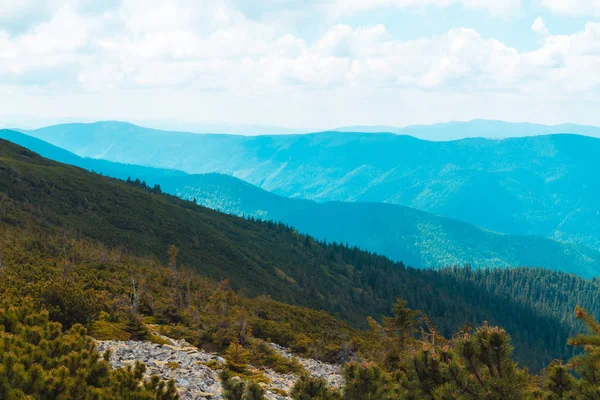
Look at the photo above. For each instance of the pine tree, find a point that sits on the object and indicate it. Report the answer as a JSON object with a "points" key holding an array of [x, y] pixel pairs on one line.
{"points": [[237, 357], [365, 381], [559, 384], [310, 388], [403, 324], [234, 388], [173, 252], [587, 365], [476, 365], [426, 372], [136, 327], [39, 361], [254, 391]]}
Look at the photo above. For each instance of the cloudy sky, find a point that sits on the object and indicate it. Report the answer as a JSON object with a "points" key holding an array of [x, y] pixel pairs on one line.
{"points": [[300, 63]]}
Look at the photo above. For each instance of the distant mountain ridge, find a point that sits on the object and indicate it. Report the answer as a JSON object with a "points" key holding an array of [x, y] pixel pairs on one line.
{"points": [[417, 238], [109, 168], [490, 129], [542, 186]]}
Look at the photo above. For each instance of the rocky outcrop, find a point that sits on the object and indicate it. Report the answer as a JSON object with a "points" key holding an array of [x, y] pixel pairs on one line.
{"points": [[178, 361], [185, 364]]}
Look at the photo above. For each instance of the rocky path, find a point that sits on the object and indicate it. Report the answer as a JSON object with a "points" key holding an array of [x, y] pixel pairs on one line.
{"points": [[184, 363]]}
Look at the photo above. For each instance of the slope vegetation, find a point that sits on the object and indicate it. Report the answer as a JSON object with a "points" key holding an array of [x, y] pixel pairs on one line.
{"points": [[48, 201], [418, 238]]}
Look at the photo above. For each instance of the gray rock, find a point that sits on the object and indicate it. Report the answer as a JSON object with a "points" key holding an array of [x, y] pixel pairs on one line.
{"points": [[196, 381]]}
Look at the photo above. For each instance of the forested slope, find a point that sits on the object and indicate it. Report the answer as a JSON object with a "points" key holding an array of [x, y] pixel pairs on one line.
{"points": [[417, 238]]}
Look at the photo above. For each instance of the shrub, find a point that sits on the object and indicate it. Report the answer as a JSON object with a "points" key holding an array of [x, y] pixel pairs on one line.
{"points": [[264, 355], [309, 388], [237, 357], [39, 361], [136, 328], [69, 303], [102, 329], [365, 381], [234, 388]]}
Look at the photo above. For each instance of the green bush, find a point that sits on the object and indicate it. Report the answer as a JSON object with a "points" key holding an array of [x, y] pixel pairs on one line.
{"points": [[69, 303], [310, 388], [102, 329], [263, 355], [39, 361], [366, 381], [234, 388], [237, 357], [135, 326]]}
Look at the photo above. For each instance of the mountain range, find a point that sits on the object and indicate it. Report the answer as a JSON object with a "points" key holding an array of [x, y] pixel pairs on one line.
{"points": [[445, 131], [418, 238], [57, 215], [540, 186]]}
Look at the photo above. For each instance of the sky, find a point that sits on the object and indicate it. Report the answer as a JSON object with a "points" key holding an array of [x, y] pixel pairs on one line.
{"points": [[299, 64]]}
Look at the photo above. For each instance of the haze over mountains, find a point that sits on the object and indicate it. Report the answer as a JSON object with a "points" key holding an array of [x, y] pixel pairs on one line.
{"points": [[541, 186], [418, 238], [477, 128], [444, 131]]}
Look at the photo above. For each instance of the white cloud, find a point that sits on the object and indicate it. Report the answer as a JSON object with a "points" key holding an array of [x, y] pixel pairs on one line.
{"points": [[495, 7], [66, 32], [12, 8], [42, 54], [569, 62], [296, 9], [539, 27], [215, 47], [211, 45], [574, 7]]}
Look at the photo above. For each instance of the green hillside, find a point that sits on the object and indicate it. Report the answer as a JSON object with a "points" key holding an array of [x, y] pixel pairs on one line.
{"points": [[418, 238], [44, 204], [543, 186], [403, 234]]}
